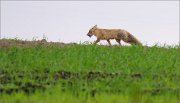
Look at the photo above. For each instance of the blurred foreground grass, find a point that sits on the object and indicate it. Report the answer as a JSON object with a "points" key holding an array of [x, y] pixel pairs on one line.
{"points": [[39, 71]]}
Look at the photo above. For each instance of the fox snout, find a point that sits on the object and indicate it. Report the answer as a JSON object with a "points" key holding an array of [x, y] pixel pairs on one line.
{"points": [[89, 35]]}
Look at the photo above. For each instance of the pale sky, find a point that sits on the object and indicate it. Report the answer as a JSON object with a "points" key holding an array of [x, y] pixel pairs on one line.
{"points": [[69, 21]]}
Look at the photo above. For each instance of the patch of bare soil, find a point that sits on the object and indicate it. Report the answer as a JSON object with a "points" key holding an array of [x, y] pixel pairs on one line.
{"points": [[5, 43], [41, 80]]}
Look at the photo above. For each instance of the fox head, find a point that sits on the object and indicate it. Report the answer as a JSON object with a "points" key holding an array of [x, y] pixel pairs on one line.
{"points": [[92, 31]]}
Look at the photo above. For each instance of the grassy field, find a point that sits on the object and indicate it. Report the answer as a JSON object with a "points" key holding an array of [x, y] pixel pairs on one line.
{"points": [[42, 72]]}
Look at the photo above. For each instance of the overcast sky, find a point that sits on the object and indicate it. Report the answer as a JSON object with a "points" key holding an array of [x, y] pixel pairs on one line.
{"points": [[69, 21]]}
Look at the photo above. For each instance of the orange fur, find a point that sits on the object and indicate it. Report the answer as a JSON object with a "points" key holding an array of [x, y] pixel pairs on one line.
{"points": [[117, 34]]}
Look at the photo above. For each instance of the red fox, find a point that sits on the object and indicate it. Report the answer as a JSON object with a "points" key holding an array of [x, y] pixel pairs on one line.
{"points": [[117, 34]]}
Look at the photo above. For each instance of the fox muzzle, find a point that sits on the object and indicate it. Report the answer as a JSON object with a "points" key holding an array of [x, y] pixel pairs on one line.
{"points": [[89, 35]]}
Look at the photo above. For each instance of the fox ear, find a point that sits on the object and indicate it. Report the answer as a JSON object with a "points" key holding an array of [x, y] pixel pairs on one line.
{"points": [[95, 26]]}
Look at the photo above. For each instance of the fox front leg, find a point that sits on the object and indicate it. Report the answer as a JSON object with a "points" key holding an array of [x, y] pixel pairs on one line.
{"points": [[96, 41]]}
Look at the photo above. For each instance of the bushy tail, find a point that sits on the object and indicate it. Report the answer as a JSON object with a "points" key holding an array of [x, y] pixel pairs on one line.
{"points": [[133, 40]]}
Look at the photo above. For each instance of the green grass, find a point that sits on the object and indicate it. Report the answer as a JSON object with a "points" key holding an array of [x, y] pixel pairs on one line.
{"points": [[47, 72]]}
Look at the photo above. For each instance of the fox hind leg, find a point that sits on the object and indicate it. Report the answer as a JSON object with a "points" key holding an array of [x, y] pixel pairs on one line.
{"points": [[119, 41], [109, 42]]}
